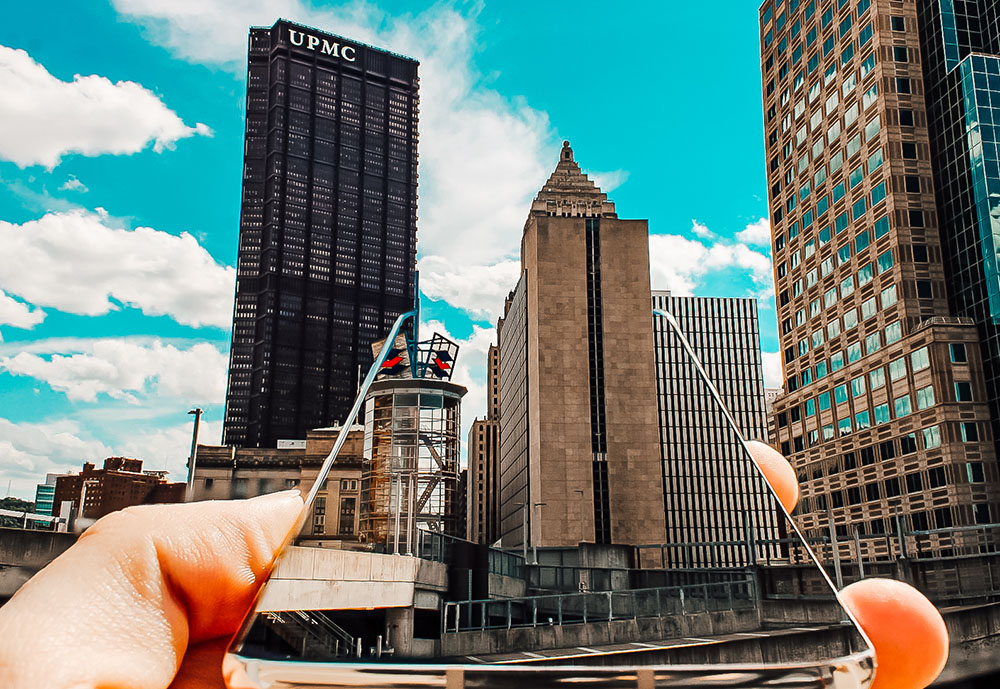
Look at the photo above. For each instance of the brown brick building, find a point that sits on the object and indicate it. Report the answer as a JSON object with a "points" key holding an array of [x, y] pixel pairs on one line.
{"points": [[579, 456], [884, 415], [119, 484], [225, 472]]}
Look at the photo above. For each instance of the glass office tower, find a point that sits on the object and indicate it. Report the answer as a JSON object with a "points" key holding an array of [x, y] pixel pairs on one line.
{"points": [[885, 417], [327, 229]]}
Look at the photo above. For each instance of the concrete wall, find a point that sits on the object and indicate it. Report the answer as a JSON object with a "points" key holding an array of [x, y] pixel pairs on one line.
{"points": [[321, 579], [24, 552]]}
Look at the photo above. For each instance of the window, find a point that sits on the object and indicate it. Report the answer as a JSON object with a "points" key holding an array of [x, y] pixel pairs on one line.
{"points": [[837, 361], [824, 401], [865, 274], [882, 413], [974, 472], [871, 492], [963, 392], [909, 150], [840, 394], [908, 444], [893, 332], [878, 193], [897, 23], [924, 289], [902, 85], [810, 407], [920, 359], [862, 421], [911, 183], [958, 354], [830, 297], [932, 437], [970, 432], [885, 262], [905, 117], [843, 254], [850, 319], [858, 386], [876, 378], [847, 286], [832, 329], [844, 426], [875, 161], [914, 482], [891, 487], [859, 208], [873, 342], [820, 370], [899, 54], [862, 241], [865, 35], [925, 397], [856, 177], [881, 227], [868, 309], [853, 352], [902, 405], [936, 477], [897, 369], [888, 296], [981, 513]]}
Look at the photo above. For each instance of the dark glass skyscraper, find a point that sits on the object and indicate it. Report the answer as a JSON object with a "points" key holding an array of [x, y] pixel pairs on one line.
{"points": [[327, 229]]}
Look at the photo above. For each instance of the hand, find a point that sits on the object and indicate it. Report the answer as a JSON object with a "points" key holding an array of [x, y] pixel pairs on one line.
{"points": [[907, 631], [150, 596]]}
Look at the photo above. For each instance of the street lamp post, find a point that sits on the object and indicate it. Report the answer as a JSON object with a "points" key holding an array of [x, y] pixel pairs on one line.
{"points": [[580, 521], [524, 530], [534, 541], [193, 457]]}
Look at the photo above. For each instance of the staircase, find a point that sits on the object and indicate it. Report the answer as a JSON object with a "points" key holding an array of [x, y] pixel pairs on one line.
{"points": [[312, 634]]}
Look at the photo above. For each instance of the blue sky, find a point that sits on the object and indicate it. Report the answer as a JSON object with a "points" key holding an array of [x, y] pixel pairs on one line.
{"points": [[121, 128]]}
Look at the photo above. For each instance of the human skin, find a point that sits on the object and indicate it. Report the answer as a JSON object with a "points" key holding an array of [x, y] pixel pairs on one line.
{"points": [[150, 596]]}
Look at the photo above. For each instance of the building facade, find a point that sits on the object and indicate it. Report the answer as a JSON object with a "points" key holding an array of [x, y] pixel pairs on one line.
{"points": [[713, 493], [229, 472], [327, 227], [959, 54], [483, 450], [119, 484], [885, 412], [578, 432]]}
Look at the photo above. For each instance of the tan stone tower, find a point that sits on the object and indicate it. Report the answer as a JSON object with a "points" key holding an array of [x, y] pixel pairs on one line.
{"points": [[579, 455]]}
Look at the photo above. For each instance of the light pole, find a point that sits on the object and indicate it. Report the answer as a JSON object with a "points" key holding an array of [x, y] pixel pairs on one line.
{"points": [[193, 457], [524, 530], [580, 521], [534, 546]]}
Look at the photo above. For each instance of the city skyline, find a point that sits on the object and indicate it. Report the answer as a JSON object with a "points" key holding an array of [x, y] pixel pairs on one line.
{"points": [[108, 361]]}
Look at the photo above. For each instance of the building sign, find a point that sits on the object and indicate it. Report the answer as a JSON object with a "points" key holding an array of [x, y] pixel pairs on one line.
{"points": [[326, 47]]}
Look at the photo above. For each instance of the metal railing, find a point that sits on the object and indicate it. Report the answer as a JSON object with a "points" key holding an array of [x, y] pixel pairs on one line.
{"points": [[595, 607]]}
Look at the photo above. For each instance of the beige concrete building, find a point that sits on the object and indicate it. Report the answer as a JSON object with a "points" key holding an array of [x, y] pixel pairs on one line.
{"points": [[885, 417], [579, 455], [225, 472], [483, 483]]}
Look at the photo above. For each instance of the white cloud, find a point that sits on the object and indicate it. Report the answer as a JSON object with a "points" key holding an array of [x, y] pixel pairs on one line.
{"points": [[73, 184], [30, 450], [757, 233], [75, 262], [609, 181], [125, 370], [700, 230], [482, 156], [679, 264], [478, 290], [46, 118], [772, 369], [13, 312]]}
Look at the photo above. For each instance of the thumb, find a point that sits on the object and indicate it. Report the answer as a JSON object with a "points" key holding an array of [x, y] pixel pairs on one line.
{"points": [[119, 608]]}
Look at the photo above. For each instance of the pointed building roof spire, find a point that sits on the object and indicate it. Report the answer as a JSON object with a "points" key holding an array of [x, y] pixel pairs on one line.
{"points": [[570, 193]]}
